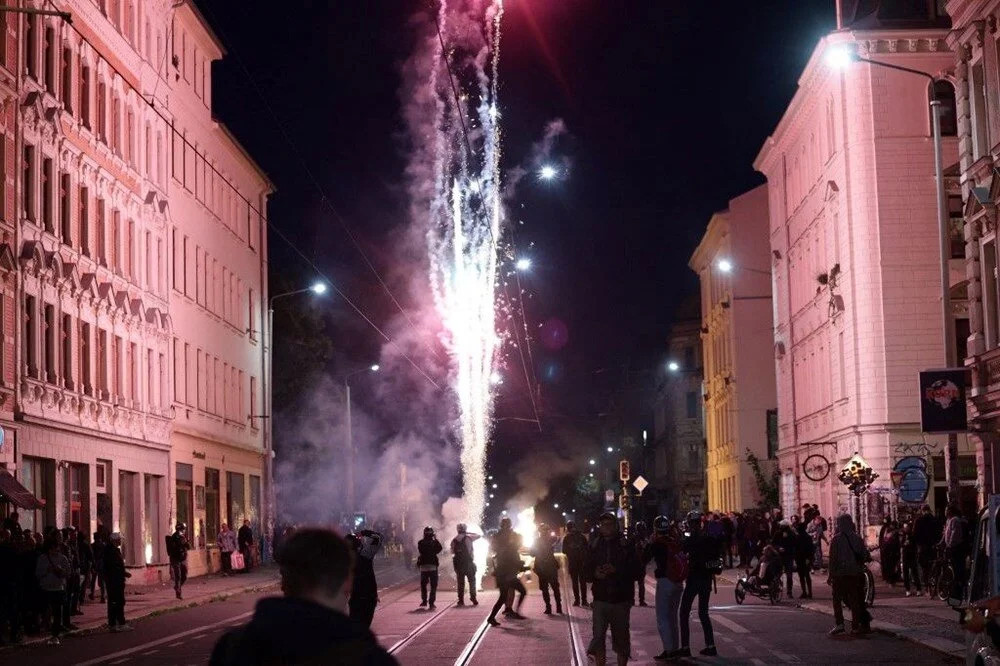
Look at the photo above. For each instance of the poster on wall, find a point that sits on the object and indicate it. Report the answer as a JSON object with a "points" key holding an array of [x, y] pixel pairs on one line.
{"points": [[942, 401]]}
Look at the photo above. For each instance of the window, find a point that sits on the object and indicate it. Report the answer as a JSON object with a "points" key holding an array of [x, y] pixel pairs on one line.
{"points": [[133, 374], [130, 254], [990, 293], [102, 233], [977, 109], [944, 92], [211, 505], [28, 178], [47, 184], [200, 369], [48, 368], [31, 336], [86, 350], [67, 352], [253, 402], [67, 80], [50, 60], [116, 124], [31, 45], [116, 236], [191, 390], [159, 266], [691, 405], [689, 360], [149, 260], [85, 95], [772, 434], [148, 153], [65, 212], [117, 385], [956, 226], [130, 137], [163, 380], [102, 364], [102, 112], [150, 380], [235, 498], [84, 239], [179, 383], [185, 495]]}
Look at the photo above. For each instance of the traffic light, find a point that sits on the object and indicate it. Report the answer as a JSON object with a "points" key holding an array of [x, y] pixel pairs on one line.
{"points": [[624, 472]]}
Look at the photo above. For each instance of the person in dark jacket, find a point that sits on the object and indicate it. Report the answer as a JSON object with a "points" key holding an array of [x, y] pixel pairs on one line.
{"points": [[309, 624], [86, 564], [575, 548], [244, 539], [909, 561], [100, 543], [671, 569], [427, 561], [547, 568], [702, 550], [848, 556], [463, 560], [114, 578], [804, 549], [507, 565], [177, 550], [785, 542], [364, 589], [611, 565], [639, 540], [926, 535]]}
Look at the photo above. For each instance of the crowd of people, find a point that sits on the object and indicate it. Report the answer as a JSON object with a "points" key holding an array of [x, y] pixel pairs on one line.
{"points": [[55, 572]]}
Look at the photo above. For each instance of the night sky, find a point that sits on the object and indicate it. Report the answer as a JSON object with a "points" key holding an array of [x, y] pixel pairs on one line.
{"points": [[666, 104]]}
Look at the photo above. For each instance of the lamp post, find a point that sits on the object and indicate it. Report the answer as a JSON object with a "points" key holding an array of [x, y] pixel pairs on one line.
{"points": [[350, 433], [317, 288], [840, 58]]}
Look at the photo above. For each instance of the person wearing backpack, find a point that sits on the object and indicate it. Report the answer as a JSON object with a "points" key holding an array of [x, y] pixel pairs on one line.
{"points": [[464, 563], [704, 564], [671, 570]]}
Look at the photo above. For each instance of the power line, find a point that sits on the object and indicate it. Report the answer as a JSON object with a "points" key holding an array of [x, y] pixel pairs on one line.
{"points": [[251, 209]]}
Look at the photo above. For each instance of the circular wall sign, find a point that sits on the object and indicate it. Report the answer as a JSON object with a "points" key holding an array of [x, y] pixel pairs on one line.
{"points": [[816, 467]]}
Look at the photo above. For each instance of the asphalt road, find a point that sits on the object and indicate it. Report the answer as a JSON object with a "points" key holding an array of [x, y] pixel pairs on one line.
{"points": [[756, 633]]}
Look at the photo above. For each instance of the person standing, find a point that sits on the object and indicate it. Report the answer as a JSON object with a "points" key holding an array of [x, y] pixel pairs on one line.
{"points": [[427, 561], [177, 550], [100, 543], [954, 542], [51, 571], [848, 555], [465, 564], [728, 533], [227, 545], [309, 624], [638, 542], [925, 533], [671, 570], [114, 577], [71, 551], [803, 560], [506, 567], [703, 555], [785, 542], [909, 560], [547, 568], [889, 552], [575, 549], [611, 565], [364, 589], [817, 532], [244, 538]]}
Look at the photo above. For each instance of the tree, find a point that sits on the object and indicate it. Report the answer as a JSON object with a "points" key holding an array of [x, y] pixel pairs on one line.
{"points": [[767, 488]]}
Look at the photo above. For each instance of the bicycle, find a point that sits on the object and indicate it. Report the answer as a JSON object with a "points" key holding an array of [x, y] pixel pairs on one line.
{"points": [[941, 577]]}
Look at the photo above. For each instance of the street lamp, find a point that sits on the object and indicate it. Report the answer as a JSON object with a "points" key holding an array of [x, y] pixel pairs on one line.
{"points": [[593, 462], [350, 432], [840, 57], [556, 505], [610, 449], [727, 266], [319, 287], [724, 265], [673, 366]]}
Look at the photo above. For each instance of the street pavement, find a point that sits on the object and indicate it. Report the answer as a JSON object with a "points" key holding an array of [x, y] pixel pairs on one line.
{"points": [[754, 633]]}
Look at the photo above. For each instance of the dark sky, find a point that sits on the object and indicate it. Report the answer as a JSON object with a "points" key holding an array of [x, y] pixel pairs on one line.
{"points": [[667, 103]]}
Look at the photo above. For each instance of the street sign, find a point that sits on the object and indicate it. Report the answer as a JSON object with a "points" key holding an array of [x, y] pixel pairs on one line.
{"points": [[857, 475], [624, 471], [640, 483]]}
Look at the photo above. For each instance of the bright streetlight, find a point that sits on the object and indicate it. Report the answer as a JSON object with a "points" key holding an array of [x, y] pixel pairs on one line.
{"points": [[839, 57], [673, 366], [491, 495], [593, 462], [547, 172], [556, 505], [375, 367], [318, 288], [591, 475], [610, 449], [494, 486], [724, 265]]}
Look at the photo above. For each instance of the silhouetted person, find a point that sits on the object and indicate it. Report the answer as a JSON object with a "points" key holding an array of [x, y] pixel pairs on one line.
{"points": [[177, 550], [506, 567], [244, 538], [547, 568], [308, 625], [114, 578], [427, 562], [575, 549], [462, 558], [364, 589], [611, 566]]}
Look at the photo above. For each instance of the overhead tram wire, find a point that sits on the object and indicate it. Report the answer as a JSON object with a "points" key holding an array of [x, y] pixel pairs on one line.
{"points": [[315, 181], [251, 209]]}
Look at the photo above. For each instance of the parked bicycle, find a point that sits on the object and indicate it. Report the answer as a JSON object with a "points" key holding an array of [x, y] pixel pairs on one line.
{"points": [[941, 577]]}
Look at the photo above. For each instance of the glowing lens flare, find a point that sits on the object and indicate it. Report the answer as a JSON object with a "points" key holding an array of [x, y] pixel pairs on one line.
{"points": [[547, 172], [464, 226]]}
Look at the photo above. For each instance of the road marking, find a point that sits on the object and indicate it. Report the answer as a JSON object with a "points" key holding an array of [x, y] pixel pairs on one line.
{"points": [[177, 644], [576, 642], [159, 641], [195, 638], [730, 625], [121, 660], [470, 648], [150, 652]]}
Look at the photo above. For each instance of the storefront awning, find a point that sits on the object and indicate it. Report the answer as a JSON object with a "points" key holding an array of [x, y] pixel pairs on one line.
{"points": [[18, 495]]}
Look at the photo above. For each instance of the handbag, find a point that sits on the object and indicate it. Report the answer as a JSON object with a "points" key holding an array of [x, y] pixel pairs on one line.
{"points": [[236, 561]]}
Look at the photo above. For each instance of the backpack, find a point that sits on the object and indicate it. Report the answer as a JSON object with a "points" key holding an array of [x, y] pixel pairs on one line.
{"points": [[462, 556], [677, 567]]}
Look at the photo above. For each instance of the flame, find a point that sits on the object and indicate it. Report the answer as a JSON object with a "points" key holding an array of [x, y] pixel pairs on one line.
{"points": [[526, 527]]}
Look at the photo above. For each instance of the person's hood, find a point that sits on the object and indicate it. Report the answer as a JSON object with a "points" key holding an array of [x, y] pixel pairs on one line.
{"points": [[845, 524], [295, 628]]}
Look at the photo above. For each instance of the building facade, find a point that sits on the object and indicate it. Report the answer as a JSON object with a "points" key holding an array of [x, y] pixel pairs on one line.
{"points": [[856, 261], [732, 262], [678, 419], [974, 41], [139, 275]]}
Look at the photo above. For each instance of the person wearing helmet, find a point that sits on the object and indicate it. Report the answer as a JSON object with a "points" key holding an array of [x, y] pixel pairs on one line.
{"points": [[464, 563], [671, 570], [427, 562], [611, 566], [547, 567], [114, 577], [575, 549], [177, 550], [507, 566], [704, 555]]}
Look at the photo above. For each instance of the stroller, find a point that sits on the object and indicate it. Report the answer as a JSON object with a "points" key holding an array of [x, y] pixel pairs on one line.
{"points": [[766, 582]]}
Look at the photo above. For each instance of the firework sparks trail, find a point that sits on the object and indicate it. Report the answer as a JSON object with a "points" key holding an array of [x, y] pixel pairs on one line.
{"points": [[465, 219]]}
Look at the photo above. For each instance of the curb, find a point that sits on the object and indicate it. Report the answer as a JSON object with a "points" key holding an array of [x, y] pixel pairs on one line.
{"points": [[943, 645], [195, 601]]}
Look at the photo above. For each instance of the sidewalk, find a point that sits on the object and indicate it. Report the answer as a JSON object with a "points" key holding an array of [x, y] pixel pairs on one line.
{"points": [[929, 622], [146, 600]]}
